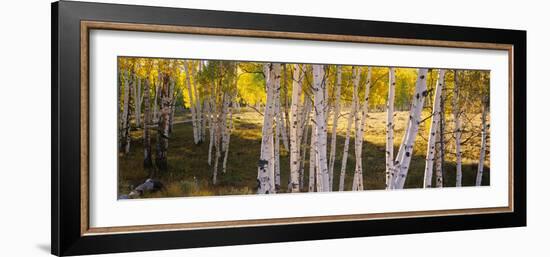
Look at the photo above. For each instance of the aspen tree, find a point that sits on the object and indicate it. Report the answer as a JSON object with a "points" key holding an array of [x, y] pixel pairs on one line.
{"points": [[312, 158], [351, 118], [163, 127], [457, 130], [321, 129], [147, 159], [294, 130], [266, 171], [483, 143], [432, 137], [125, 113], [192, 105], [336, 114], [441, 137], [390, 125], [306, 110], [398, 174], [358, 176]]}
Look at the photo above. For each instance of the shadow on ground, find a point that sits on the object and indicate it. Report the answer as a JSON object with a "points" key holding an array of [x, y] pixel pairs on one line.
{"points": [[190, 175]]}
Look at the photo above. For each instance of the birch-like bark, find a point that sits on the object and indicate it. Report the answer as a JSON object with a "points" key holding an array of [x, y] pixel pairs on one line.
{"points": [[172, 94], [156, 101], [400, 169], [312, 158], [438, 161], [434, 127], [282, 113], [211, 125], [198, 109], [351, 118], [277, 141], [147, 158], [390, 125], [204, 119], [266, 183], [120, 109], [125, 112], [303, 159], [218, 122], [304, 137], [332, 158], [129, 115], [192, 105], [163, 124], [137, 101], [483, 145], [283, 130], [357, 124], [360, 131], [294, 185], [223, 120], [228, 133], [321, 129], [285, 114], [303, 118], [441, 151], [217, 147], [457, 130]]}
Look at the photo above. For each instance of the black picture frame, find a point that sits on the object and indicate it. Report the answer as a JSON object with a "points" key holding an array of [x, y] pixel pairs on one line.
{"points": [[66, 209]]}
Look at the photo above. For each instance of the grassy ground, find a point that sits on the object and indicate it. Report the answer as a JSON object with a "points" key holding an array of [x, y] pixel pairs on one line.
{"points": [[189, 174]]}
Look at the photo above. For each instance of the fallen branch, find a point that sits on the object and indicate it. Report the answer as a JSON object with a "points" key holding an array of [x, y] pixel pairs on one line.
{"points": [[150, 185]]}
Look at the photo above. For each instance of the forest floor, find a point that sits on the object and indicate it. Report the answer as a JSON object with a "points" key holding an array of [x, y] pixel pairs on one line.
{"points": [[190, 175]]}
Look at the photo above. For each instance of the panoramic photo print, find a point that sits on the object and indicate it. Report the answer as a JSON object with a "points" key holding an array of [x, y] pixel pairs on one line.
{"points": [[189, 128]]}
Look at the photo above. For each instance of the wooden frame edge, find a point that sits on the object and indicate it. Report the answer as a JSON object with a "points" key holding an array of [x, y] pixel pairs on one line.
{"points": [[86, 26]]}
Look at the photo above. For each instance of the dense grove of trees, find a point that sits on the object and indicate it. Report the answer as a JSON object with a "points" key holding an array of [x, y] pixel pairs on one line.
{"points": [[300, 105]]}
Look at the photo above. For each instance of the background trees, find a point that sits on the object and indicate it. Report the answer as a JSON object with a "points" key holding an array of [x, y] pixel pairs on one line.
{"points": [[214, 122]]}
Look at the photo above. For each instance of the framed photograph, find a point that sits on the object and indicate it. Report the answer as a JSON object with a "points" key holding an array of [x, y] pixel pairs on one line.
{"points": [[178, 128]]}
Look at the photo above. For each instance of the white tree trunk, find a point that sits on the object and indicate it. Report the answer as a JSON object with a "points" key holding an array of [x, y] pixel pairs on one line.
{"points": [[360, 131], [120, 108], [204, 119], [436, 115], [163, 128], [390, 125], [304, 137], [351, 118], [128, 115], [294, 185], [398, 174], [223, 120], [441, 138], [125, 112], [211, 126], [155, 101], [228, 133], [357, 178], [147, 153], [438, 161], [198, 109], [172, 95], [137, 101], [457, 131], [277, 141], [321, 129], [332, 158], [483, 145], [192, 104], [217, 138], [303, 158], [266, 183], [312, 158]]}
